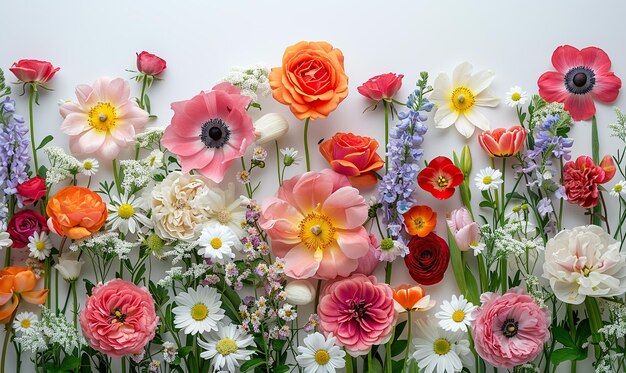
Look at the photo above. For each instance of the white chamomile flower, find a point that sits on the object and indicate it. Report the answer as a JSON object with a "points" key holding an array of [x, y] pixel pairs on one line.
{"points": [[126, 214], [290, 156], [488, 179], [89, 167], [218, 242], [198, 311], [440, 350], [456, 314], [320, 355], [5, 240], [39, 245], [287, 312], [516, 97], [24, 321], [226, 347], [155, 159], [618, 189], [478, 248]]}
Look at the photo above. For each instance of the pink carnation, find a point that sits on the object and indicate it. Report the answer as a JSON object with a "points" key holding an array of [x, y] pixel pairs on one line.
{"points": [[359, 312], [119, 318], [510, 330]]}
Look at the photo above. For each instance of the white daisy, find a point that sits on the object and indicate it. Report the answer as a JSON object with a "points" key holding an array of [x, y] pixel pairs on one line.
{"points": [[455, 315], [24, 321], [155, 159], [225, 209], [516, 97], [478, 248], [5, 240], [39, 245], [89, 167], [618, 189], [226, 346], [198, 311], [126, 214], [290, 156], [217, 242], [320, 355], [488, 179], [440, 350]]}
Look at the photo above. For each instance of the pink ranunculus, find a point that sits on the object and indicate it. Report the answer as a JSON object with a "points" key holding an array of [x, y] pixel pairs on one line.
{"points": [[150, 64], [316, 224], [359, 311], [369, 262], [511, 329], [466, 232], [119, 318], [381, 87], [210, 130], [33, 71]]}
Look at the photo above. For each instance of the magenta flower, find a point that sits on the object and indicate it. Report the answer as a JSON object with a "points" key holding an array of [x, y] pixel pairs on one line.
{"points": [[359, 312]]}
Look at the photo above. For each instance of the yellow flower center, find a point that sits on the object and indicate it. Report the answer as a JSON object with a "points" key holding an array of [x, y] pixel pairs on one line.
{"points": [[487, 180], [199, 312], [516, 96], [87, 165], [586, 271], [458, 316], [216, 243], [462, 99], [617, 188], [419, 223], [442, 182], [316, 231], [25, 324], [103, 116], [223, 216], [322, 357], [40, 246], [441, 346], [125, 211], [226, 346]]}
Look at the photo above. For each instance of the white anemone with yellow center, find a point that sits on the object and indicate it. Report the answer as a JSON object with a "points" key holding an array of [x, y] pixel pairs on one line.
{"points": [[218, 243], [24, 321], [127, 214], [320, 355], [198, 311], [440, 350], [459, 98], [227, 347], [456, 314]]}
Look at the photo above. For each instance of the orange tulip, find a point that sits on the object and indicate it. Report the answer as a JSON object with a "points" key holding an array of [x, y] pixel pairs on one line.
{"points": [[76, 212], [18, 283], [503, 142], [411, 298], [420, 221]]}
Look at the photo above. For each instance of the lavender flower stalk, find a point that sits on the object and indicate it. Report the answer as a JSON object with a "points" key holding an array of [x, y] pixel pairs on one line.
{"points": [[14, 145]]}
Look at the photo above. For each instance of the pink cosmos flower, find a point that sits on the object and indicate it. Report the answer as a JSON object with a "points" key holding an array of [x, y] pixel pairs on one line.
{"points": [[466, 232], [316, 224], [581, 76], [119, 318], [104, 120], [511, 329], [359, 312], [209, 131]]}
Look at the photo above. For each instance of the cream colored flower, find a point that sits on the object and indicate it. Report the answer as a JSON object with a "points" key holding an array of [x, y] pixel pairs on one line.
{"points": [[69, 266], [270, 127], [224, 208]]}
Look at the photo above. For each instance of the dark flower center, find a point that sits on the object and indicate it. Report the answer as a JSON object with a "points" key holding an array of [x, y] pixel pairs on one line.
{"points": [[509, 328], [359, 309], [580, 80], [117, 316], [215, 133]]}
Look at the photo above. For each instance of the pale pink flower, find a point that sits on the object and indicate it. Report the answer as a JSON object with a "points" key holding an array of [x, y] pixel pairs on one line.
{"points": [[466, 232], [369, 262]]}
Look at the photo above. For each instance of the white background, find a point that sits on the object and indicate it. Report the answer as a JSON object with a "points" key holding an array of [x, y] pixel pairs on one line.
{"points": [[201, 40]]}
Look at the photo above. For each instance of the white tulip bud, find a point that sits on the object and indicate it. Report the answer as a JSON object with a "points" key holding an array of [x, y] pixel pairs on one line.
{"points": [[300, 292], [270, 127], [69, 267]]}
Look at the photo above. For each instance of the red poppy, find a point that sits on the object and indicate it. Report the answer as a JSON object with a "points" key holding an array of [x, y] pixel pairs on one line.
{"points": [[581, 76], [440, 178]]}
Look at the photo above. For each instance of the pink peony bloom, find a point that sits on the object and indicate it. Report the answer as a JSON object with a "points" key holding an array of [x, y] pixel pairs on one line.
{"points": [[119, 318], [381, 87], [104, 120], [316, 224], [511, 329], [359, 312], [466, 232], [209, 131]]}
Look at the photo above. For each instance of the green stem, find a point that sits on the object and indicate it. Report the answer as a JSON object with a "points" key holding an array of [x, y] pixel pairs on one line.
{"points": [[595, 321], [123, 364], [502, 188], [572, 330], [388, 364], [482, 274], [7, 334], [143, 91], [349, 367], [388, 273], [408, 340], [47, 282], [595, 154], [280, 180], [75, 304], [306, 144], [116, 177], [56, 290], [317, 294], [31, 99], [369, 361], [385, 106], [503, 274]]}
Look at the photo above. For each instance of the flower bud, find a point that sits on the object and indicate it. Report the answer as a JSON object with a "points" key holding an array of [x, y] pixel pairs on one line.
{"points": [[69, 267], [270, 127], [466, 161], [300, 292]]}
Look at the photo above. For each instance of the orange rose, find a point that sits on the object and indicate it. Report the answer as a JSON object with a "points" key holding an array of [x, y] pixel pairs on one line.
{"points": [[311, 80], [76, 212], [353, 156]]}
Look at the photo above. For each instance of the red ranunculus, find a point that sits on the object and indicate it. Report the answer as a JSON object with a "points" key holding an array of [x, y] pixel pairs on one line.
{"points": [[381, 87], [428, 259], [440, 178], [581, 179], [32, 190], [22, 226], [33, 71], [353, 156], [150, 64]]}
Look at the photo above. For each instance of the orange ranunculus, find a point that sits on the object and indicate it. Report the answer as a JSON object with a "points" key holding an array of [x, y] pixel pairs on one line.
{"points": [[311, 80], [411, 298], [18, 283], [420, 221], [353, 156], [502, 142], [76, 212]]}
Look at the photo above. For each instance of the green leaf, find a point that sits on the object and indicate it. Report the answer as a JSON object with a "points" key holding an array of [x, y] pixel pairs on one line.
{"points": [[562, 336], [486, 204], [251, 364], [399, 329], [70, 363], [281, 369], [146, 101], [457, 263], [472, 292], [398, 347], [278, 344], [583, 332], [567, 354], [45, 141]]}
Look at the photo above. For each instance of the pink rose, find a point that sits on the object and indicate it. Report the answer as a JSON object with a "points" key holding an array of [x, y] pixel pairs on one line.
{"points": [[33, 71], [466, 232], [23, 225], [381, 87], [119, 318], [32, 190], [369, 262], [150, 64]]}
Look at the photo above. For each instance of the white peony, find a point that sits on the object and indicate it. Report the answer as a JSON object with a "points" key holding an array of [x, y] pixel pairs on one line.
{"points": [[584, 261]]}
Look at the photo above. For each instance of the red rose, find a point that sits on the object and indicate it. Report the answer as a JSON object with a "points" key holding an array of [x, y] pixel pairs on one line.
{"points": [[428, 259], [381, 87], [33, 71], [581, 179], [22, 226], [150, 64], [353, 156], [32, 190]]}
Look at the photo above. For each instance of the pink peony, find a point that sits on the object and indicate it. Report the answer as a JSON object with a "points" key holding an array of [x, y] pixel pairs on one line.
{"points": [[359, 312], [466, 232], [209, 131], [511, 329], [316, 224], [381, 87], [119, 318]]}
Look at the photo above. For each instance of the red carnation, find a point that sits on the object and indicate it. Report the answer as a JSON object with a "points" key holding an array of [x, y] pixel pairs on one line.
{"points": [[440, 178], [428, 259], [581, 179]]}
